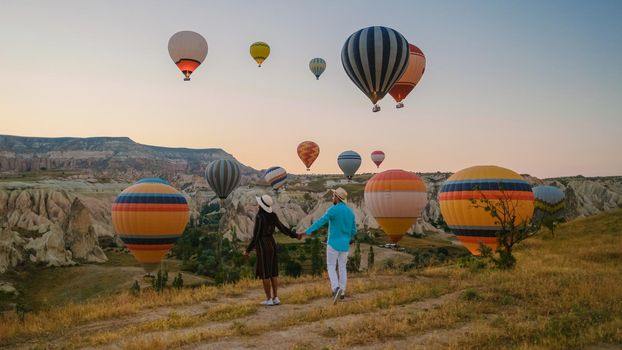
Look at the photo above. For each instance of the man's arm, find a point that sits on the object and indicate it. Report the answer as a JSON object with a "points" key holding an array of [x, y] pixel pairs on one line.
{"points": [[320, 222]]}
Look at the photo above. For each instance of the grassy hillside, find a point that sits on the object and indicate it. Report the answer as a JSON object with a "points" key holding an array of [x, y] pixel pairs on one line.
{"points": [[565, 293]]}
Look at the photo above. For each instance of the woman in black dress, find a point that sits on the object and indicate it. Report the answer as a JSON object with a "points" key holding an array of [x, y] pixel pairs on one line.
{"points": [[267, 264]]}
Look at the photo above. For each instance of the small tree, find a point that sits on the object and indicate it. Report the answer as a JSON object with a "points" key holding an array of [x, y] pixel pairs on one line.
{"points": [[370, 258], [135, 289], [354, 262], [178, 282], [505, 211], [160, 280]]}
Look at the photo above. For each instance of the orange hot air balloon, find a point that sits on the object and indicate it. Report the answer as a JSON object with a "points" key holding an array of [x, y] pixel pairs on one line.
{"points": [[149, 217], [188, 50], [308, 151], [396, 199], [412, 75], [473, 225]]}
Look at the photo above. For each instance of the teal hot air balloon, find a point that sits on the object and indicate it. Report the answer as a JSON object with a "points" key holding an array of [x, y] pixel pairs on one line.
{"points": [[223, 176], [349, 162], [550, 201], [375, 58], [317, 67]]}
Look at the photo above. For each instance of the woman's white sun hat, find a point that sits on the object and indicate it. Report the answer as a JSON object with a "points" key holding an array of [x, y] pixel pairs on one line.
{"points": [[265, 202]]}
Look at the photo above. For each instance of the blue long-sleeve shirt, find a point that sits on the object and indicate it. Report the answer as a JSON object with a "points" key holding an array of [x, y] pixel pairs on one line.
{"points": [[341, 226]]}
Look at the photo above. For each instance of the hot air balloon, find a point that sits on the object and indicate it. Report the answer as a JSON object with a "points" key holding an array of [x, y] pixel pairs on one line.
{"points": [[349, 162], [149, 217], [549, 201], [473, 225], [276, 177], [317, 67], [223, 176], [377, 157], [396, 199], [375, 58], [412, 75], [260, 51], [188, 50], [308, 151]]}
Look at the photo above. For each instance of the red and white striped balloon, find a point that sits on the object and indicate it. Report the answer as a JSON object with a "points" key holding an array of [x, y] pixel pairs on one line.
{"points": [[377, 157]]}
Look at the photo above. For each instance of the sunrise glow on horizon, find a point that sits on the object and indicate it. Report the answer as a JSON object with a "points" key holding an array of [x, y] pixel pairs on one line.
{"points": [[532, 86]]}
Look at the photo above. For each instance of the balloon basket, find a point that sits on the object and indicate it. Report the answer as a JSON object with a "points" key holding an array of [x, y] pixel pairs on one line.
{"points": [[399, 105], [187, 79], [375, 109]]}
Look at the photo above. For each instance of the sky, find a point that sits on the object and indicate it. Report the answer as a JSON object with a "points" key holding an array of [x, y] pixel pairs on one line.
{"points": [[534, 86]]}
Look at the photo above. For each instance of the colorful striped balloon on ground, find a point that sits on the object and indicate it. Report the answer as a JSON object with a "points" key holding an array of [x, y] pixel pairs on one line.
{"points": [[308, 151], [317, 67], [149, 217], [375, 58], [349, 162], [276, 176], [395, 198], [377, 157], [223, 176], [471, 224], [188, 50], [549, 201], [259, 52], [412, 75]]}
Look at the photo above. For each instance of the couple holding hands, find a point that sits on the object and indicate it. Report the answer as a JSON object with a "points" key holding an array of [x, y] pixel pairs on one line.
{"points": [[341, 230]]}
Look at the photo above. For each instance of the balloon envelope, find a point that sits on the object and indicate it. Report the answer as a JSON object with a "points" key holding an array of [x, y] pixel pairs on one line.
{"points": [[395, 198], [473, 225], [308, 151], [276, 176], [149, 217], [375, 58], [349, 162], [549, 201], [317, 67], [259, 52], [412, 75], [377, 157], [188, 50], [223, 176]]}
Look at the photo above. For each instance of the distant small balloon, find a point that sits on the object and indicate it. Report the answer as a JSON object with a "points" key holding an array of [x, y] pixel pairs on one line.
{"points": [[223, 176], [308, 151], [349, 162], [377, 157], [260, 52], [317, 67], [276, 176]]}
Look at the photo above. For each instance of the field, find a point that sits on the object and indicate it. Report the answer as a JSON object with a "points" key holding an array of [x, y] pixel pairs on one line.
{"points": [[564, 293]]}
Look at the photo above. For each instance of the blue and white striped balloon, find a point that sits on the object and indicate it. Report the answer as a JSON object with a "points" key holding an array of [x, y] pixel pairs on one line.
{"points": [[276, 176], [317, 67], [349, 162]]}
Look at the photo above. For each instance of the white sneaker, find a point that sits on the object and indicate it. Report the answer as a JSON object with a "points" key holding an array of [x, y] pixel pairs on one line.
{"points": [[276, 301], [337, 295], [267, 302]]}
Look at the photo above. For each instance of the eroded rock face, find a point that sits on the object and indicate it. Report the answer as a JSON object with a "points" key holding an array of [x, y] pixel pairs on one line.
{"points": [[80, 237], [10, 249], [49, 249]]}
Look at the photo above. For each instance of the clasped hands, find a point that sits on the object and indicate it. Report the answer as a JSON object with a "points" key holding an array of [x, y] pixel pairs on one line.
{"points": [[299, 235]]}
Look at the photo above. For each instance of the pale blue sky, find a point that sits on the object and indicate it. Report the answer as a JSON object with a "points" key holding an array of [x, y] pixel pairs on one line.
{"points": [[535, 86]]}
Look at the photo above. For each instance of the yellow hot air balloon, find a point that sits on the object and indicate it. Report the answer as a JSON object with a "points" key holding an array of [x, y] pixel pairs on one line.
{"points": [[396, 199], [473, 225], [149, 217], [259, 52]]}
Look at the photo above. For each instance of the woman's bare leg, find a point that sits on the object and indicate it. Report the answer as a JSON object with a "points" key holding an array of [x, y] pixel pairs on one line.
{"points": [[266, 288], [275, 286]]}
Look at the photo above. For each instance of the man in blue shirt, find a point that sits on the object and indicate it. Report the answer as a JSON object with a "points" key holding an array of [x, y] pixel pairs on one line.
{"points": [[341, 230]]}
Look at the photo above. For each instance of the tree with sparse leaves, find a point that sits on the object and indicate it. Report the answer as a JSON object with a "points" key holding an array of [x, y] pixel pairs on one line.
{"points": [[370, 258]]}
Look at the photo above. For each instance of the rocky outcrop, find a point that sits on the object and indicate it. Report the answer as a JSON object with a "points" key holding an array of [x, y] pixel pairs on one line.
{"points": [[49, 249], [80, 237], [10, 249]]}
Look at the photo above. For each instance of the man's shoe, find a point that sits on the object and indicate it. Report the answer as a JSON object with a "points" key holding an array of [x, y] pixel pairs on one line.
{"points": [[343, 294], [267, 302], [276, 301], [337, 295]]}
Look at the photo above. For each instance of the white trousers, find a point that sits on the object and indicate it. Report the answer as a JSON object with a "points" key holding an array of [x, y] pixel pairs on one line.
{"points": [[336, 259]]}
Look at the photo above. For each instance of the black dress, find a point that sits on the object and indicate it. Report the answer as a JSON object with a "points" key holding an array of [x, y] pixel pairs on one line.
{"points": [[263, 242]]}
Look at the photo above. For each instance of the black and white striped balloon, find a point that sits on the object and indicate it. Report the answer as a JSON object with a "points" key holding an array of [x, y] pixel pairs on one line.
{"points": [[375, 58], [223, 176]]}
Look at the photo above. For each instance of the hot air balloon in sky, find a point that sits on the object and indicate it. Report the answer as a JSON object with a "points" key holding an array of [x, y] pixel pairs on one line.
{"points": [[259, 52], [276, 176], [223, 176], [317, 67], [549, 201], [349, 162], [308, 151], [188, 50], [395, 198], [149, 217], [473, 225], [375, 58], [377, 157], [412, 75]]}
